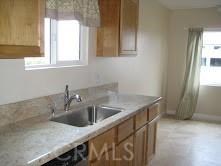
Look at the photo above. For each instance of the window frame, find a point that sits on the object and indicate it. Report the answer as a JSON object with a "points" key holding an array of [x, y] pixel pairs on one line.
{"points": [[54, 63], [208, 68]]}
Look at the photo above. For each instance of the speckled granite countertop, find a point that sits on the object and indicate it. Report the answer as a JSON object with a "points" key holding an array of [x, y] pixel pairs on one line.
{"points": [[36, 141]]}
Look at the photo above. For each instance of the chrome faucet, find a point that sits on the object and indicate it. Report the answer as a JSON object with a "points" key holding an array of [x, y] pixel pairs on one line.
{"points": [[68, 99]]}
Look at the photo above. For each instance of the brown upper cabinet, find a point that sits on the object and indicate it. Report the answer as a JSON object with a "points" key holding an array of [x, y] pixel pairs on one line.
{"points": [[117, 35], [128, 28], [21, 28]]}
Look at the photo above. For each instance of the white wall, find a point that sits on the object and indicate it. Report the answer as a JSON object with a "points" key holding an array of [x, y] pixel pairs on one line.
{"points": [[180, 19], [144, 74]]}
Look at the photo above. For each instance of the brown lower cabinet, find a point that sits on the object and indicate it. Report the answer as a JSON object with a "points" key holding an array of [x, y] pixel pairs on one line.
{"points": [[125, 145]]}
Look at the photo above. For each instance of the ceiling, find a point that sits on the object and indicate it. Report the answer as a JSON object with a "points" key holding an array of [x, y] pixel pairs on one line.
{"points": [[190, 4]]}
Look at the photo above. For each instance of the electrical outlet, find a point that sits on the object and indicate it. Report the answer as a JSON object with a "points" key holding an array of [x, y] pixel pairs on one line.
{"points": [[97, 78]]}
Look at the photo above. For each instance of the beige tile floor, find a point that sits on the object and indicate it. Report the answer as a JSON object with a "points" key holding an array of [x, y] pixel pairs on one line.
{"points": [[188, 143]]}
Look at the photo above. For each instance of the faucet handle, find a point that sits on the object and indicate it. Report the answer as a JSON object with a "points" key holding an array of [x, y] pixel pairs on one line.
{"points": [[52, 107], [66, 92]]}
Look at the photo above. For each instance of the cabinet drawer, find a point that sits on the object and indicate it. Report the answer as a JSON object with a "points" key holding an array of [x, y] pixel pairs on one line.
{"points": [[125, 129], [101, 144], [141, 119], [153, 112]]}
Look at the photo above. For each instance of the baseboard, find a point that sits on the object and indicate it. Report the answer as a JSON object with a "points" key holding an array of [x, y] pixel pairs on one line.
{"points": [[206, 117], [171, 112], [200, 116]]}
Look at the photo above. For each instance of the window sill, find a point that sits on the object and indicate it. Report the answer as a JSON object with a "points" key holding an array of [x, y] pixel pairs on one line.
{"points": [[211, 85], [46, 67]]}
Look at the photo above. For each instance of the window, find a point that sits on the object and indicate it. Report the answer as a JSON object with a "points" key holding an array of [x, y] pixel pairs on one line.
{"points": [[211, 58], [65, 45]]}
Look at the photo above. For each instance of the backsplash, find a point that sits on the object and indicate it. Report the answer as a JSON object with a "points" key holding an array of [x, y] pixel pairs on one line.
{"points": [[14, 112]]}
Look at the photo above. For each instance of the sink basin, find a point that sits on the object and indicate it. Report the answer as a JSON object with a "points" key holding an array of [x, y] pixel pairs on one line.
{"points": [[87, 116]]}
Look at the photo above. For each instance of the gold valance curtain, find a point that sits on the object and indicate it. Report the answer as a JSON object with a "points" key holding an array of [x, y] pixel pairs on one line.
{"points": [[85, 11]]}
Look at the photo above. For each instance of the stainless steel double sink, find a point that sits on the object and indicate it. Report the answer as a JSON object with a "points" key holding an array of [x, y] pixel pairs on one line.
{"points": [[87, 116]]}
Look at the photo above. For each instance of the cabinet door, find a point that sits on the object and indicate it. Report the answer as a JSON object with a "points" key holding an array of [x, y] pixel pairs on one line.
{"points": [[21, 27], [151, 140], [108, 33], [129, 24], [125, 152], [101, 144], [105, 160], [140, 147]]}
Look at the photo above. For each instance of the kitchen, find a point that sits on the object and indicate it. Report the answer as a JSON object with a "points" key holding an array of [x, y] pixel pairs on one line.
{"points": [[127, 52]]}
